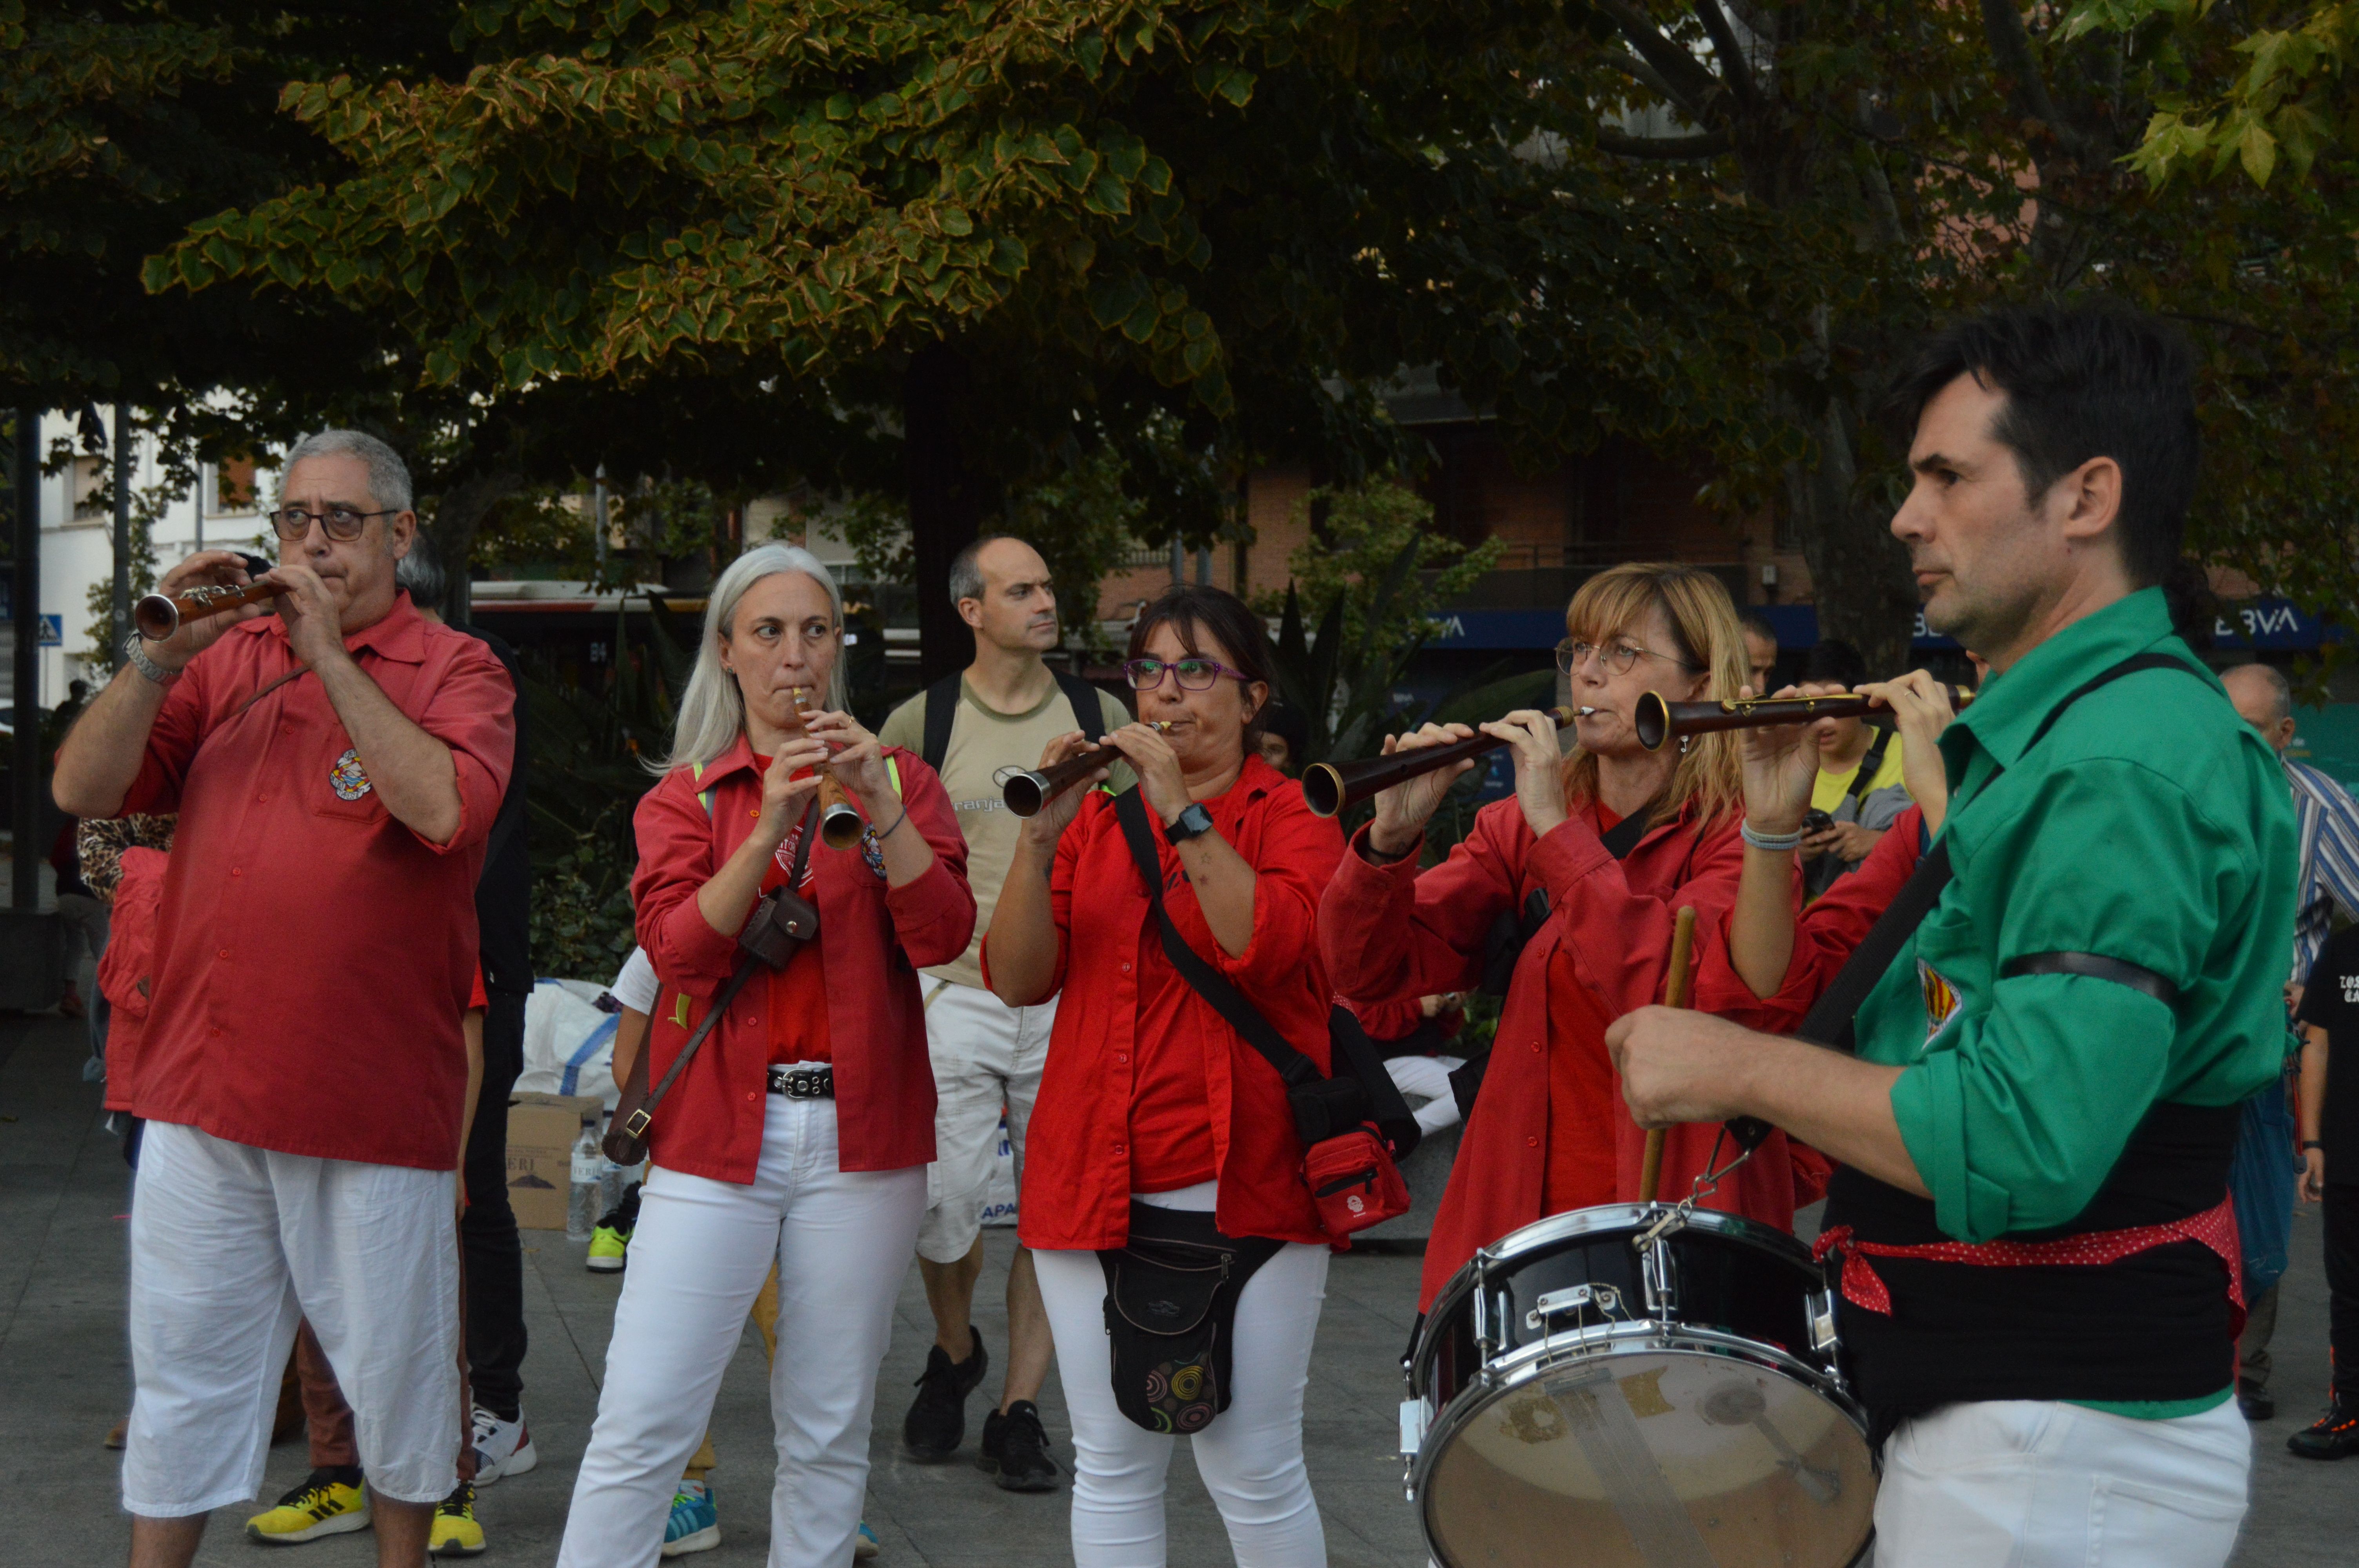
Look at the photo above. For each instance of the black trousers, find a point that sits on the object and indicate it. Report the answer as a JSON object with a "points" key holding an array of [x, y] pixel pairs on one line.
{"points": [[2341, 1205], [495, 1258]]}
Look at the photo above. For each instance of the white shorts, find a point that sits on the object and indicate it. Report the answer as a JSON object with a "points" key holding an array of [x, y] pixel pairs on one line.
{"points": [[987, 1055], [2033, 1484], [231, 1247]]}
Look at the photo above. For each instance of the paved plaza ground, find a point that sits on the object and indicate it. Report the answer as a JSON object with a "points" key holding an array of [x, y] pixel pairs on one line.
{"points": [[65, 1378]]}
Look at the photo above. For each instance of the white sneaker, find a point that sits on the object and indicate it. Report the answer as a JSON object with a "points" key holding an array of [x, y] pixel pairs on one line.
{"points": [[502, 1447]]}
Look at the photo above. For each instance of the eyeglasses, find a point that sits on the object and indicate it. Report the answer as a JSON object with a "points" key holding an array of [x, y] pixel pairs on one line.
{"points": [[1619, 658], [342, 523], [1194, 674]]}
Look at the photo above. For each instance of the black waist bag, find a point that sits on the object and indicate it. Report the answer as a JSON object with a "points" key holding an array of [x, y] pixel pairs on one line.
{"points": [[1171, 1314]]}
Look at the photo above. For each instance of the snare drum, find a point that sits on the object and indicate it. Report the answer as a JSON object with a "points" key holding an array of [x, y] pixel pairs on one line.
{"points": [[1577, 1399]]}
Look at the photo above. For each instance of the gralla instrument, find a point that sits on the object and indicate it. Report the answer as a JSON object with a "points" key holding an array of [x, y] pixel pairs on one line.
{"points": [[159, 615], [1330, 788], [1027, 791], [840, 822], [1655, 721]]}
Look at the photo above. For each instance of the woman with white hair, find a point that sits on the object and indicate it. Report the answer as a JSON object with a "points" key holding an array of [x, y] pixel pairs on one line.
{"points": [[801, 1132]]}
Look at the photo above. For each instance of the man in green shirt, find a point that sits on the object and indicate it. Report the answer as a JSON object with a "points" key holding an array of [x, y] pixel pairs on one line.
{"points": [[996, 716], [2055, 1056]]}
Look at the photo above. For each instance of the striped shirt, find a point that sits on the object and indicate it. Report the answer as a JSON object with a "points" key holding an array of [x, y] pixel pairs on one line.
{"points": [[2330, 861]]}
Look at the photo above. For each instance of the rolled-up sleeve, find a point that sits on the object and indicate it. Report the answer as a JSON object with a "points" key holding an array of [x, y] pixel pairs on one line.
{"points": [[2019, 1108], [1390, 931], [933, 915], [676, 860], [472, 712]]}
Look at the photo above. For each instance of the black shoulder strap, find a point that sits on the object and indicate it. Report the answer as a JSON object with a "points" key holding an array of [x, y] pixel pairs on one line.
{"points": [[1210, 983], [1089, 713], [1870, 766], [1624, 835], [1356, 1055], [942, 712], [1832, 1019]]}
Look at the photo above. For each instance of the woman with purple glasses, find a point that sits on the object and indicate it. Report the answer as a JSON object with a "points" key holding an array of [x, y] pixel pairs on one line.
{"points": [[1156, 1122]]}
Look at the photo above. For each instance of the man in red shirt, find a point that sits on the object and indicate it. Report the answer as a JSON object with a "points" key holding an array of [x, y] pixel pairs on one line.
{"points": [[336, 762]]}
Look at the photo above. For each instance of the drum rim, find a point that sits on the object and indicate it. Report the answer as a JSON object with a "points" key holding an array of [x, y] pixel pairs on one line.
{"points": [[1527, 1362], [1578, 1222]]}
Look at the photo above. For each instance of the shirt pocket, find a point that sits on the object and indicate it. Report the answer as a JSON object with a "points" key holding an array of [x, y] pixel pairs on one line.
{"points": [[338, 786]]}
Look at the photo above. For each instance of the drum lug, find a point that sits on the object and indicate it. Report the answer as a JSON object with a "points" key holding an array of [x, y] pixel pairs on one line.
{"points": [[1603, 1299], [1660, 1276], [1412, 1427], [1823, 1335]]}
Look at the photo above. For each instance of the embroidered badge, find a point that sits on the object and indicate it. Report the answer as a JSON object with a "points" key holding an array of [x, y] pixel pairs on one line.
{"points": [[346, 778], [786, 856], [1940, 999], [872, 851]]}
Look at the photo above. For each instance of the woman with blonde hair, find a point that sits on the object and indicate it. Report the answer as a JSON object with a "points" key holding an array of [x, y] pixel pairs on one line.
{"points": [[1583, 870], [798, 1133]]}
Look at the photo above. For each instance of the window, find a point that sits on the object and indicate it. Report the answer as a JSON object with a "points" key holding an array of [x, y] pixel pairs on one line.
{"points": [[234, 485], [90, 489]]}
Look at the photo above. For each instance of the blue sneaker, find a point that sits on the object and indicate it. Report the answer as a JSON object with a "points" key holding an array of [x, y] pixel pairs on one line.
{"points": [[695, 1524], [864, 1545]]}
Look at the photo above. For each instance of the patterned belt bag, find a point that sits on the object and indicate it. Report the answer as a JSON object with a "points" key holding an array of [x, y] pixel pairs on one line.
{"points": [[1172, 1313]]}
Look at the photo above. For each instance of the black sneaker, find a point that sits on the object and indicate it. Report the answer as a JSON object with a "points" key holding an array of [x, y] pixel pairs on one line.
{"points": [[2334, 1435], [1015, 1449], [2255, 1400], [936, 1424]]}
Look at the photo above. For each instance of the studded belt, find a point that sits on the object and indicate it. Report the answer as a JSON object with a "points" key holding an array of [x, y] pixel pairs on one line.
{"points": [[803, 1083]]}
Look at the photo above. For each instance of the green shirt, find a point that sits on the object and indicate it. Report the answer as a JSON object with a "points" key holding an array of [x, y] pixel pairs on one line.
{"points": [[2151, 824]]}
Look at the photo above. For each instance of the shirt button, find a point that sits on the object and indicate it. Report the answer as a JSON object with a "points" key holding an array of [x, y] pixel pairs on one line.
{"points": [[286, 729], [1119, 1057], [212, 1033], [262, 800], [224, 952], [1536, 1045], [1531, 1142], [752, 1094], [237, 870], [1120, 1150], [1125, 966]]}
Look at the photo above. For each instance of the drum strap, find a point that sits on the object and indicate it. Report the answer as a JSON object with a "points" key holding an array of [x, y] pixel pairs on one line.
{"points": [[2214, 1228]]}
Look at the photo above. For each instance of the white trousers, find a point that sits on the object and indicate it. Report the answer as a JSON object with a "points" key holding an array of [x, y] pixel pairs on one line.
{"points": [[841, 1242], [986, 1054], [1250, 1457], [231, 1247], [2033, 1484]]}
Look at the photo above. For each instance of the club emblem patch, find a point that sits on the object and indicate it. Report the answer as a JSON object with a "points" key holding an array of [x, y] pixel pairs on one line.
{"points": [[346, 778], [1940, 999]]}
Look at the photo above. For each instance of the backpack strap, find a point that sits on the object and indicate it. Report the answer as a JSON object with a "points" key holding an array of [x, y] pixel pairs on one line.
{"points": [[942, 712], [1869, 766], [1089, 713]]}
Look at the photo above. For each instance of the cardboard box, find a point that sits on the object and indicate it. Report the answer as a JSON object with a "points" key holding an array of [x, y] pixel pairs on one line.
{"points": [[542, 1130]]}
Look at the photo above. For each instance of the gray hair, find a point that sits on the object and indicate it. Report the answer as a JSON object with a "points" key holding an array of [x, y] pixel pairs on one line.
{"points": [[388, 476], [966, 575], [420, 572], [2280, 689], [712, 710]]}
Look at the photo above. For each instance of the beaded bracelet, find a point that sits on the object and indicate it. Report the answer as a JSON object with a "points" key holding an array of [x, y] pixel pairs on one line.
{"points": [[1770, 840]]}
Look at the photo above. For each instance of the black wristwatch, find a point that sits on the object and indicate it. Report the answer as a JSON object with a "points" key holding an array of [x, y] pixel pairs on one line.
{"points": [[2312, 1143], [1192, 823]]}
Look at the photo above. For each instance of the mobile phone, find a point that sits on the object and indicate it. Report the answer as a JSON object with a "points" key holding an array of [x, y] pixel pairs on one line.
{"points": [[1816, 821]]}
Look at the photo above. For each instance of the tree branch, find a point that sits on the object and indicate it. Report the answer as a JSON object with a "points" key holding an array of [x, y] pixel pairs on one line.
{"points": [[1735, 69], [1647, 76], [1711, 143], [1676, 64], [2011, 49]]}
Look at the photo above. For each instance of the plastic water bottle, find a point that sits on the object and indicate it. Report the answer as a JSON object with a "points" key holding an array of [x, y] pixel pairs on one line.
{"points": [[612, 1180], [582, 1200]]}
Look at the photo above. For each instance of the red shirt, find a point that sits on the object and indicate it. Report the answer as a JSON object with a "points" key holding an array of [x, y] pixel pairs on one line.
{"points": [[313, 953], [1390, 931], [1130, 1031], [798, 991], [873, 939], [478, 999], [126, 974]]}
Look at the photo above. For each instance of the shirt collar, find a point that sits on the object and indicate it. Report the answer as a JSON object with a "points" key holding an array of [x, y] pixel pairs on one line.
{"points": [[740, 754], [2010, 708]]}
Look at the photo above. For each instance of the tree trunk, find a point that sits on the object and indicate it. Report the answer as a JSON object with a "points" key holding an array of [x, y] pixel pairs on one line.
{"points": [[463, 506], [945, 508], [1859, 572]]}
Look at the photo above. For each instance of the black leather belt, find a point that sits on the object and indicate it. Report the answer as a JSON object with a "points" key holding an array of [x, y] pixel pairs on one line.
{"points": [[803, 1083]]}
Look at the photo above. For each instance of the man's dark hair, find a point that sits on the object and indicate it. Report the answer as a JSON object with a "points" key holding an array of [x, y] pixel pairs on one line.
{"points": [[1758, 624], [1834, 660], [966, 575], [2081, 381], [1195, 609], [1288, 724]]}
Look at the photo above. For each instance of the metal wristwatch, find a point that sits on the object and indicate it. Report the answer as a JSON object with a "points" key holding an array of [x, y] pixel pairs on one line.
{"points": [[145, 666], [1192, 823]]}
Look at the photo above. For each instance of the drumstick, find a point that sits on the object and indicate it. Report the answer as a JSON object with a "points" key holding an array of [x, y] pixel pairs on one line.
{"points": [[1675, 994]]}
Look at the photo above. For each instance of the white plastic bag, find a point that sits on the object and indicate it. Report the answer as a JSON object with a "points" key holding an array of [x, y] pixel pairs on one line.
{"points": [[569, 1042]]}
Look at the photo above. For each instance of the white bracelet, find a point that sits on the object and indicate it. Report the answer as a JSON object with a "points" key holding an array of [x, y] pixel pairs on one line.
{"points": [[145, 666], [1770, 840]]}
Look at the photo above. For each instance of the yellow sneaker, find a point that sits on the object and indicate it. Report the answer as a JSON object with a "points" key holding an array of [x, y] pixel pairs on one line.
{"points": [[456, 1533], [320, 1506]]}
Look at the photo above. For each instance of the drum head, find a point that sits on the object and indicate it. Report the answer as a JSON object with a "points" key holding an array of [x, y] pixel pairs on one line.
{"points": [[1669, 1456]]}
